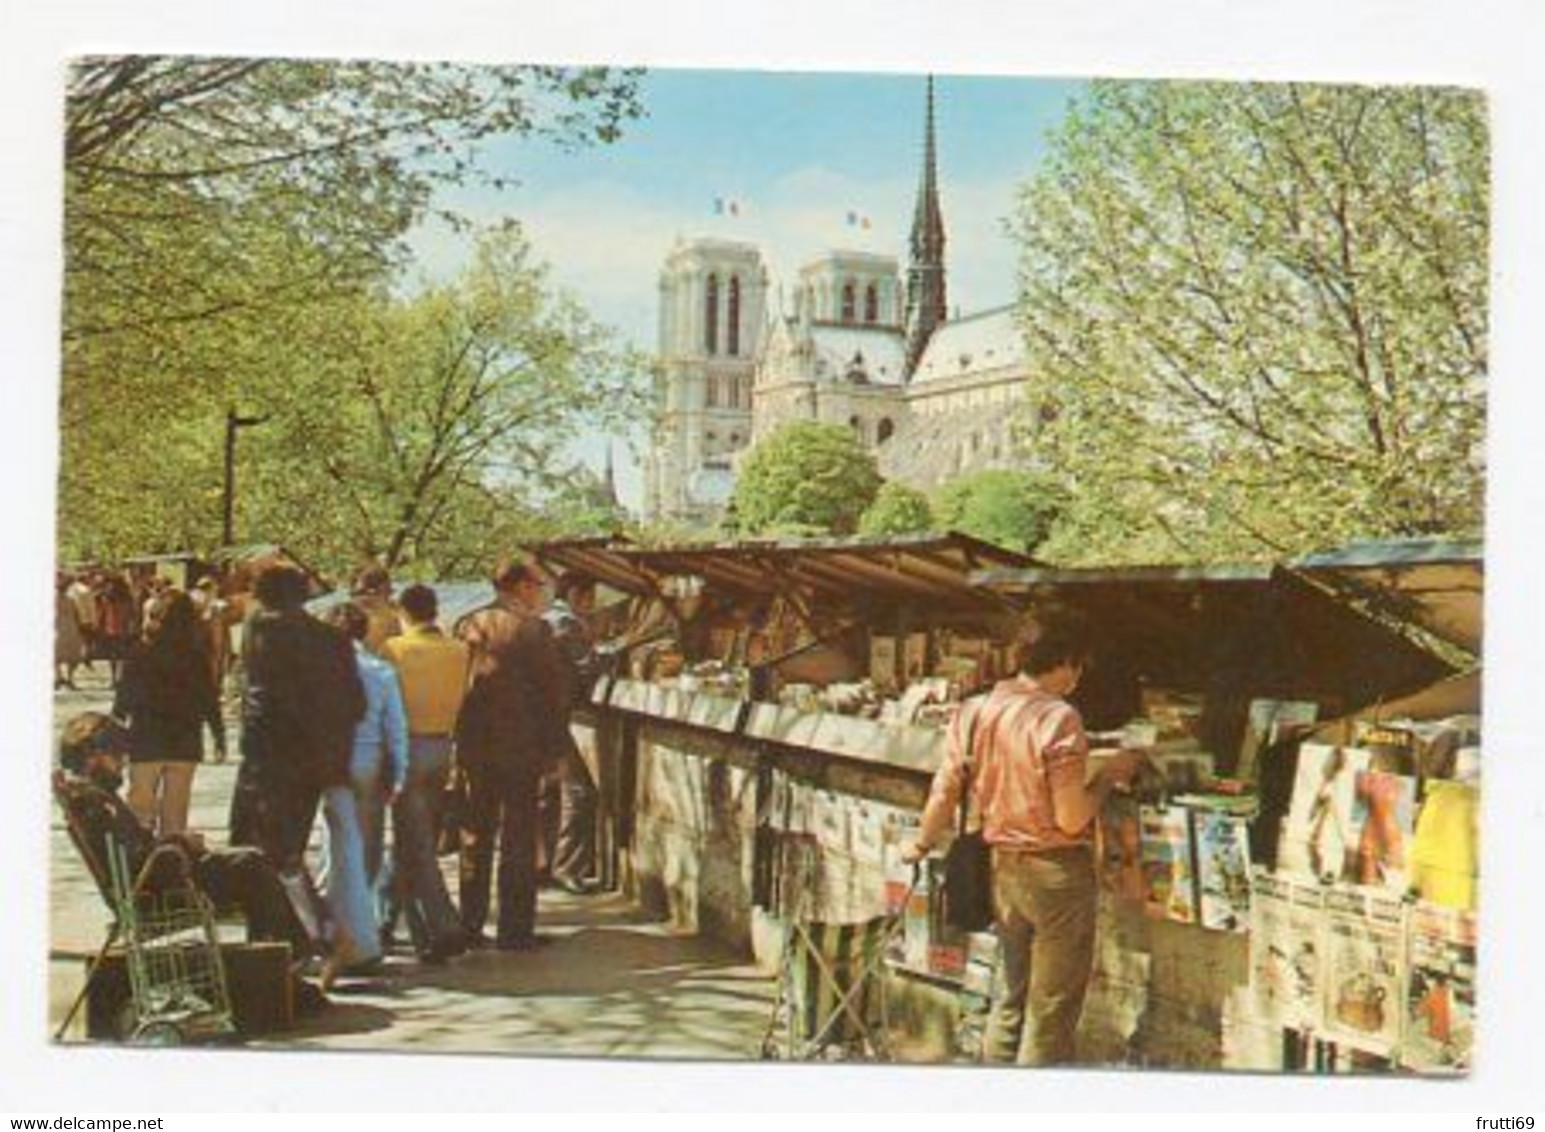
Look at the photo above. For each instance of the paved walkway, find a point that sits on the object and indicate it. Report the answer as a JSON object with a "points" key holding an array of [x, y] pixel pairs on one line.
{"points": [[610, 984]]}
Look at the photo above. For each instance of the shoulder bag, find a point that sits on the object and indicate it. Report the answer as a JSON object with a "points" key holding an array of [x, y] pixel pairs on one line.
{"points": [[968, 861]]}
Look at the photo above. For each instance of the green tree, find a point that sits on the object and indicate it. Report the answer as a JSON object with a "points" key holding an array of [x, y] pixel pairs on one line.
{"points": [[404, 412], [1012, 508], [897, 510], [1259, 313], [219, 214], [805, 477]]}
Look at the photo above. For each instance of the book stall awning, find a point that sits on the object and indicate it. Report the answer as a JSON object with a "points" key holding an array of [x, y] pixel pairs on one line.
{"points": [[598, 556], [923, 568], [1436, 584], [1259, 629]]}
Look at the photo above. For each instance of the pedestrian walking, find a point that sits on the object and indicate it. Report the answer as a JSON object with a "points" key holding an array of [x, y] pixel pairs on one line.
{"points": [[513, 728], [116, 621], [372, 592], [69, 641], [433, 670], [569, 794], [300, 703], [166, 697], [355, 811]]}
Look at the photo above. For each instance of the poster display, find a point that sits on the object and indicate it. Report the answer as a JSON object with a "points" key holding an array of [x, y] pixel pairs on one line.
{"points": [[1318, 834], [1169, 884], [1365, 967], [1286, 956], [1439, 1030], [1222, 870]]}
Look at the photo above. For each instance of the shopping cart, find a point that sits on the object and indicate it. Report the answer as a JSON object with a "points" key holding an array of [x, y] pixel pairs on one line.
{"points": [[177, 986], [831, 1001]]}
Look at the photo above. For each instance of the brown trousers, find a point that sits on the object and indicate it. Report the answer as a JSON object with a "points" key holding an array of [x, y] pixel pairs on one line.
{"points": [[1045, 907]]}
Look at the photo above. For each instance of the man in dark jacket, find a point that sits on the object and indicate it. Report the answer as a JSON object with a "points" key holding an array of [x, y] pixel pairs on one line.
{"points": [[301, 702], [513, 728], [569, 794]]}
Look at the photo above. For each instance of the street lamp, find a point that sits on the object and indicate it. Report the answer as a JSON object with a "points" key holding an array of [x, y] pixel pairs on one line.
{"points": [[232, 424]]}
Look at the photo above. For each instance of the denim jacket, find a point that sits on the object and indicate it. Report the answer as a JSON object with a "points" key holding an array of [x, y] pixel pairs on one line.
{"points": [[383, 732]]}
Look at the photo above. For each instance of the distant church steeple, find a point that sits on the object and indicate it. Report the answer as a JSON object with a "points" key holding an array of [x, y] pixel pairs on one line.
{"points": [[925, 273], [609, 482]]}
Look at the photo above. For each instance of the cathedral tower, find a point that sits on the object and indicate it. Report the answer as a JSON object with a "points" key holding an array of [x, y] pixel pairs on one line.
{"points": [[925, 273], [713, 296]]}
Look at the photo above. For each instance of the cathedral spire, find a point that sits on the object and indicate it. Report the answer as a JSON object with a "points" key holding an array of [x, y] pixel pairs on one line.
{"points": [[609, 482], [925, 273]]}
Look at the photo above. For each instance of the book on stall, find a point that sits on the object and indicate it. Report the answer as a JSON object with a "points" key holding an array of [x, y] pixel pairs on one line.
{"points": [[1382, 830], [1269, 722], [1222, 870], [1286, 953], [1317, 834], [1439, 1025], [1365, 968], [1169, 882]]}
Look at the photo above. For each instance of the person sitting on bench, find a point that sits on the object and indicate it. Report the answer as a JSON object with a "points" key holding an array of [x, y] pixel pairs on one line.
{"points": [[92, 753]]}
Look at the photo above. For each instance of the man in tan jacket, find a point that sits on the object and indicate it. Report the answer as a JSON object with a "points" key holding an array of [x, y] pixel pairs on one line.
{"points": [[512, 730]]}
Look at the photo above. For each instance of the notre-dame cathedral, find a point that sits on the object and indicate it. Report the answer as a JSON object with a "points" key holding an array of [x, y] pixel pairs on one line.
{"points": [[930, 395]]}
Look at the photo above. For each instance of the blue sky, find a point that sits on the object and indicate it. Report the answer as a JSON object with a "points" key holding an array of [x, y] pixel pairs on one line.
{"points": [[797, 151]]}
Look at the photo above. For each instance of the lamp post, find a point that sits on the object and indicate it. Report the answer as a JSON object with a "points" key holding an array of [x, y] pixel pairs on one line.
{"points": [[233, 423]]}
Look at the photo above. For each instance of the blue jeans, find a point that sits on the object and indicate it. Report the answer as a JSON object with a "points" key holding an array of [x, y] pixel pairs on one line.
{"points": [[345, 885], [413, 882]]}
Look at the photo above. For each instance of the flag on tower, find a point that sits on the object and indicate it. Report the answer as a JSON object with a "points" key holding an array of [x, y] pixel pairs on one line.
{"points": [[726, 206], [857, 220]]}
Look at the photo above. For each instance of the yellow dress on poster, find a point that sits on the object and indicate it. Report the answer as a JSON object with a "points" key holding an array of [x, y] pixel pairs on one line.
{"points": [[1445, 853]]}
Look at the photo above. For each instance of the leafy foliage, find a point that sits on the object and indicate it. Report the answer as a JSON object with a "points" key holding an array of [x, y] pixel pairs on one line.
{"points": [[1260, 314], [233, 234], [897, 510], [410, 415], [805, 478], [1015, 509]]}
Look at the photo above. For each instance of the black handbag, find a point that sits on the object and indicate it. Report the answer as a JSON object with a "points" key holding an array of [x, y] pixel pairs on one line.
{"points": [[967, 892]]}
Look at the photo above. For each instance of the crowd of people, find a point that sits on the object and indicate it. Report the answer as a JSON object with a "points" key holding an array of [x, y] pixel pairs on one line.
{"points": [[374, 716], [101, 615]]}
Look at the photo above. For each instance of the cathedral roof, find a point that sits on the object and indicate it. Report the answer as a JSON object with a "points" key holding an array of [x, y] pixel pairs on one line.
{"points": [[975, 344], [882, 348]]}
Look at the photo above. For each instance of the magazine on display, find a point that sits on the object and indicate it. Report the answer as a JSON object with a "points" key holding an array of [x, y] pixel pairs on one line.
{"points": [[1269, 722], [1439, 1029], [1365, 965], [1383, 826], [1222, 870], [1286, 954], [1169, 884], [1318, 834]]}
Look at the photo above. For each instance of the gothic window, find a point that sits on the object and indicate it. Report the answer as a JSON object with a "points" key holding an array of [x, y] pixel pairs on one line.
{"points": [[711, 316], [885, 431], [711, 393], [732, 330], [847, 302], [871, 304]]}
